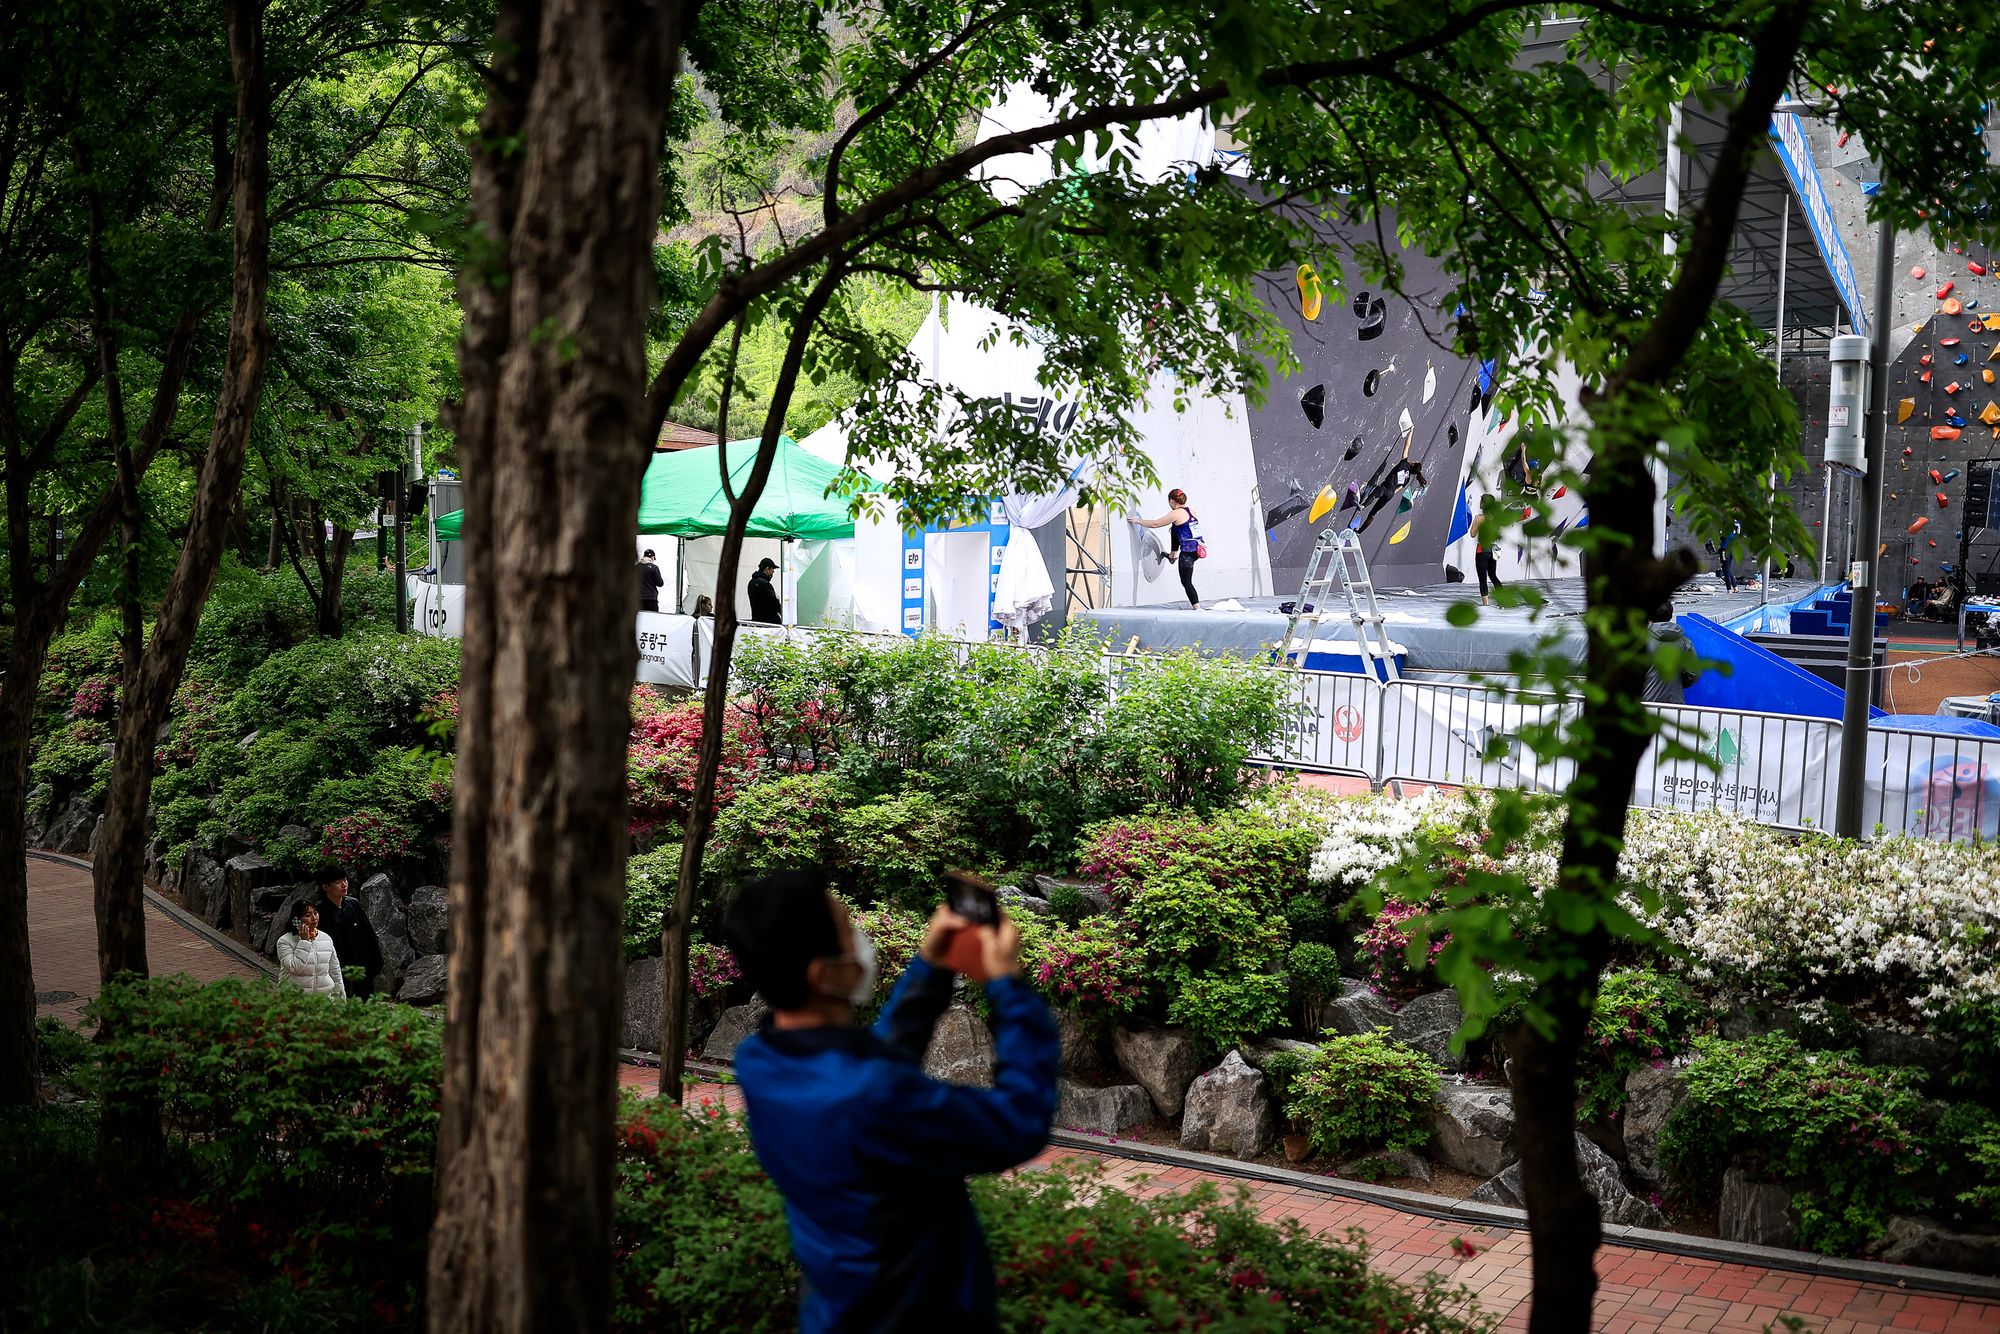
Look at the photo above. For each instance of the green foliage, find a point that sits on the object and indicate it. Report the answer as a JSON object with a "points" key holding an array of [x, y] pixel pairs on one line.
{"points": [[1360, 1092], [898, 934], [899, 848], [1181, 731], [1247, 851], [1974, 1024], [1966, 1144], [1068, 904], [384, 681], [1314, 970], [1310, 917], [61, 1048], [1642, 1018], [73, 762], [785, 822], [1846, 1137], [650, 878], [1091, 968]]}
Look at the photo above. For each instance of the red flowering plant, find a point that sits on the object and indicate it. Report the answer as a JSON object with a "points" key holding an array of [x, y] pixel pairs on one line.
{"points": [[664, 752], [200, 718], [1387, 944], [711, 969], [97, 697], [364, 839], [1093, 969]]}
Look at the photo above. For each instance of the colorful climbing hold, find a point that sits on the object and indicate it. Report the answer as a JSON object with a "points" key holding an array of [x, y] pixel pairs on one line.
{"points": [[1311, 295], [1924, 360], [1944, 433], [1907, 406], [1987, 375], [1951, 476], [1974, 266], [1948, 342], [1990, 414], [1945, 291], [1401, 533], [1943, 500], [1953, 306], [1960, 359], [1933, 541], [1937, 477], [1559, 493], [1925, 377], [1322, 502], [1918, 526], [1953, 387]]}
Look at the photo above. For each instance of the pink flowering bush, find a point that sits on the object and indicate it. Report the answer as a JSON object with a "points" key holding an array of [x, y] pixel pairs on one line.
{"points": [[1387, 944], [364, 839], [1092, 969], [1249, 850], [711, 970], [97, 697], [662, 756]]}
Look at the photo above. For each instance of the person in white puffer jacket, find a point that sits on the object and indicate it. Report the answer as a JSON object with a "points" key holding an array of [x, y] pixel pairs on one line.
{"points": [[306, 957]]}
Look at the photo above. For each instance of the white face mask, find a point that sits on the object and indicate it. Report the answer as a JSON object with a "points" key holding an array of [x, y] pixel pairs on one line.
{"points": [[864, 954]]}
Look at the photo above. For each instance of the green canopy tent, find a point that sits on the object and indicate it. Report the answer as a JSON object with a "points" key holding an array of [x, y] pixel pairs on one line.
{"points": [[681, 495]]}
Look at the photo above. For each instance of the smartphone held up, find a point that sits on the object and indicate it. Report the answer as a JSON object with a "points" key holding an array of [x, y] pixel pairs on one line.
{"points": [[972, 898]]}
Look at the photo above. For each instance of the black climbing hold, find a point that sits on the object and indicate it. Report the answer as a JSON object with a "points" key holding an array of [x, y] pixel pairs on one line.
{"points": [[1353, 448], [1372, 383], [1313, 401]]}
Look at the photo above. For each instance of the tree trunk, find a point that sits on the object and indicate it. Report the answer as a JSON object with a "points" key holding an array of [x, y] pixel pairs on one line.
{"points": [[715, 699], [120, 862], [20, 1065], [565, 192], [334, 564]]}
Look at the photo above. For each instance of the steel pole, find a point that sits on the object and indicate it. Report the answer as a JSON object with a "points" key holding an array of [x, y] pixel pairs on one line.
{"points": [[402, 546], [1784, 262], [1868, 525]]}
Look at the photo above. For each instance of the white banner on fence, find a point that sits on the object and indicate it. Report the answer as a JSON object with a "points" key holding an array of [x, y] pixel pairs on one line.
{"points": [[439, 609], [671, 651], [1443, 734]]}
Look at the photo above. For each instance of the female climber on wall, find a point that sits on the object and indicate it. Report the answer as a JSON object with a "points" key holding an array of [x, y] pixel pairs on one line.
{"points": [[1187, 545]]}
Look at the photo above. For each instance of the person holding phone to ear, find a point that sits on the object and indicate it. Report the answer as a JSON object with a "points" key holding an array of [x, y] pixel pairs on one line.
{"points": [[869, 1152]]}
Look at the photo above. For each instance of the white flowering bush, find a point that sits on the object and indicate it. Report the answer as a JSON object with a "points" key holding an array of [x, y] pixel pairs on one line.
{"points": [[1364, 836]]}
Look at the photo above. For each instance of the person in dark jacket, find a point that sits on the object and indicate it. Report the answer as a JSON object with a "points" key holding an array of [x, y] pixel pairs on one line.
{"points": [[870, 1153], [651, 581], [764, 603], [345, 922]]}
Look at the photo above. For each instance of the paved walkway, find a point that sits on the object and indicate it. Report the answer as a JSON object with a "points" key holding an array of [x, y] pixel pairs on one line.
{"points": [[62, 938], [1640, 1290]]}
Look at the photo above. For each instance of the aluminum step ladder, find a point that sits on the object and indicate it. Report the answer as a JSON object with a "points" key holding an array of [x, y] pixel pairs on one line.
{"points": [[1337, 558]]}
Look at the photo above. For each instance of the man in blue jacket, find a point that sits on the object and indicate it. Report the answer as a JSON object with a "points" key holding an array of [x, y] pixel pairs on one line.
{"points": [[870, 1153]]}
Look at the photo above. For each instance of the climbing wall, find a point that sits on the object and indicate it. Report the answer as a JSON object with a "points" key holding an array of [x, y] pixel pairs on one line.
{"points": [[1378, 387]]}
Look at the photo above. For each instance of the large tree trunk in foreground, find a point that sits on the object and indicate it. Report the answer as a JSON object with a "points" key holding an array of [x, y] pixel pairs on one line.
{"points": [[565, 195], [120, 862], [1624, 583]]}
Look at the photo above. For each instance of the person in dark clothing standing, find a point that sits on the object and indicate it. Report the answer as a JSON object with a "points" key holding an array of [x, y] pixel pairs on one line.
{"points": [[1728, 558], [764, 603], [869, 1152], [1187, 546], [1488, 570], [651, 581], [346, 923]]}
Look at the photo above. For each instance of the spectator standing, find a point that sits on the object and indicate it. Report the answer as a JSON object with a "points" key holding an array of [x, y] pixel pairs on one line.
{"points": [[1487, 569], [765, 606], [651, 581], [306, 956], [1728, 559], [870, 1153], [345, 922]]}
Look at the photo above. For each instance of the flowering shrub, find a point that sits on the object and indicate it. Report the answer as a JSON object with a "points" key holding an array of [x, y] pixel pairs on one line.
{"points": [[200, 720], [1248, 851], [364, 840], [898, 934], [661, 759], [1361, 837], [900, 847], [1092, 968], [72, 761], [783, 822], [97, 697], [1387, 943], [1641, 1019], [1361, 1093], [711, 969]]}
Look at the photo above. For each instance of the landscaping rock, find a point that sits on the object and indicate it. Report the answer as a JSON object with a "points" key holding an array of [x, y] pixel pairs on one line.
{"points": [[38, 812], [1427, 1023], [1082, 1056], [1615, 1204], [644, 1002], [1756, 1212], [1650, 1098], [1162, 1060], [1103, 1111], [96, 833], [265, 929], [429, 915], [1929, 1243], [205, 890], [961, 1050], [244, 874], [1260, 1052], [156, 858], [1748, 1022], [1229, 1110], [424, 983], [1095, 895], [296, 833], [737, 1023], [1474, 1124], [392, 930], [1018, 901], [1359, 1009], [1386, 1165], [1887, 1046], [71, 828]]}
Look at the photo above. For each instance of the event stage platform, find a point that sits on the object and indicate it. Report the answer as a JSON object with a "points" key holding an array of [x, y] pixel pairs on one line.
{"points": [[1415, 619]]}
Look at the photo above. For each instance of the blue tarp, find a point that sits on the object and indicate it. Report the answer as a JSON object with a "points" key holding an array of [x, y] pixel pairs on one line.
{"points": [[1758, 681], [1944, 724]]}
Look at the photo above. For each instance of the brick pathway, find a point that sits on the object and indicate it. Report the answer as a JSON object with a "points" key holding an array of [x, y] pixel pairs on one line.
{"points": [[62, 937], [1639, 1290]]}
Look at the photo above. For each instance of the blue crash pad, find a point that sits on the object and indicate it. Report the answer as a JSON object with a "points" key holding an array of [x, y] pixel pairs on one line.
{"points": [[1942, 723], [1758, 681]]}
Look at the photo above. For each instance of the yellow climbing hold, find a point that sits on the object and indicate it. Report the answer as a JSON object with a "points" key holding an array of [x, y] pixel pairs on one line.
{"points": [[1990, 414], [1401, 533], [1904, 408], [1321, 504], [1311, 296]]}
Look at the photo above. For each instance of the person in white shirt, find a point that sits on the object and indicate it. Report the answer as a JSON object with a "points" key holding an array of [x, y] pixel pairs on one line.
{"points": [[306, 957]]}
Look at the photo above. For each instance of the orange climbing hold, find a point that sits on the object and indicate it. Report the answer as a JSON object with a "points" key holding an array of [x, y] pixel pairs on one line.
{"points": [[1919, 525], [1904, 408], [1953, 306], [1943, 500], [1937, 478], [1953, 387], [1937, 433], [1933, 541]]}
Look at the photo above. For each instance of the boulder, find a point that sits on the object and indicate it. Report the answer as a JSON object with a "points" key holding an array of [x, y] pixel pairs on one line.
{"points": [[1259, 1053], [38, 812], [296, 833], [644, 1003], [1651, 1094], [737, 1023], [1757, 1022], [156, 857], [1615, 1204], [266, 928], [1388, 1164], [423, 984], [243, 875], [1082, 1056], [1887, 1046], [71, 829], [1474, 1125], [96, 834], [1229, 1111], [1427, 1023], [1102, 1111], [1756, 1212], [392, 930], [1162, 1060], [1018, 901], [961, 1050], [1929, 1243], [1358, 1009], [205, 890], [429, 916], [1097, 896]]}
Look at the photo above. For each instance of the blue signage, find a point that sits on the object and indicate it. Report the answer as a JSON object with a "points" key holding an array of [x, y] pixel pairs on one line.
{"points": [[1788, 141], [995, 527]]}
